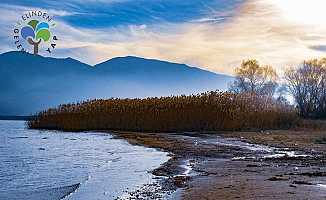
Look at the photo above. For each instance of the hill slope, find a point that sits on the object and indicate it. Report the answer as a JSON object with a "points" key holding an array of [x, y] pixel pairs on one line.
{"points": [[32, 83]]}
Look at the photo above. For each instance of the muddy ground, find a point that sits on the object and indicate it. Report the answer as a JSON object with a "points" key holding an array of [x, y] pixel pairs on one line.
{"points": [[238, 165]]}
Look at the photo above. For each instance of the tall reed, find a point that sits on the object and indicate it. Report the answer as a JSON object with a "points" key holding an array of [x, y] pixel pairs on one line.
{"points": [[211, 111]]}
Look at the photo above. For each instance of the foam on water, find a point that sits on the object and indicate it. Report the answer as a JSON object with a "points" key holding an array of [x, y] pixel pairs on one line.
{"points": [[322, 186], [261, 151], [187, 167]]}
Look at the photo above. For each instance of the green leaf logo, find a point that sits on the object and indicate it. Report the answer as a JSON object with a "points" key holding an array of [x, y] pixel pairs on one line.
{"points": [[35, 32]]}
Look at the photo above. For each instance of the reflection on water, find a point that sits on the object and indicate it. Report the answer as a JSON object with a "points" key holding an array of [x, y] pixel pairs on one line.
{"points": [[50, 165]]}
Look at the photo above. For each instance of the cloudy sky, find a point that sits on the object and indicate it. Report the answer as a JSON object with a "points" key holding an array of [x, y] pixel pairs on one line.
{"points": [[211, 34]]}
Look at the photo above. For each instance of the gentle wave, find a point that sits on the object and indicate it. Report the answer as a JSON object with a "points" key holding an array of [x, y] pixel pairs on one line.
{"points": [[43, 194]]}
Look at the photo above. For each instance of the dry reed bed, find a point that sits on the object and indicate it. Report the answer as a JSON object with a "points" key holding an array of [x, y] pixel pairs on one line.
{"points": [[211, 111]]}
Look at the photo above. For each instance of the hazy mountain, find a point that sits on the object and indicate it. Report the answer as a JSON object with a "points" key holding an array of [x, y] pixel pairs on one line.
{"points": [[31, 83]]}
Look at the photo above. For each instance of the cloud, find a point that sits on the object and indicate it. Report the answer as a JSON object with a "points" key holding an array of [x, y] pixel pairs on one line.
{"points": [[213, 38], [14, 11], [110, 13], [259, 30]]}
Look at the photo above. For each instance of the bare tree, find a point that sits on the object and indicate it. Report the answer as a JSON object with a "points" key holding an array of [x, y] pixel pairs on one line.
{"points": [[254, 78], [307, 85]]}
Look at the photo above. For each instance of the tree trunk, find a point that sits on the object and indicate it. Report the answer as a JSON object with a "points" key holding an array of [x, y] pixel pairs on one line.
{"points": [[35, 45]]}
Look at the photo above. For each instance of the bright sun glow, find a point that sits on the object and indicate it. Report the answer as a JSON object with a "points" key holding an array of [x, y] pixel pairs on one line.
{"points": [[309, 12]]}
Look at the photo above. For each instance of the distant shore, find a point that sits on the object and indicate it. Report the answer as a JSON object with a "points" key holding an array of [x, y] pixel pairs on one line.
{"points": [[18, 118]]}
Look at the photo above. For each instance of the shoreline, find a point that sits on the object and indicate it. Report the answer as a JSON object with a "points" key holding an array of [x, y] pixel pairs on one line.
{"points": [[275, 164], [217, 175], [172, 175]]}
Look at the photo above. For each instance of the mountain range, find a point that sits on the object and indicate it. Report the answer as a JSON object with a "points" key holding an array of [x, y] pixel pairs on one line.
{"points": [[30, 83]]}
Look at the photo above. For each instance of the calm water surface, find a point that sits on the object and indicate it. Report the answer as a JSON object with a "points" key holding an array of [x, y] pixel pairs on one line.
{"points": [[50, 165]]}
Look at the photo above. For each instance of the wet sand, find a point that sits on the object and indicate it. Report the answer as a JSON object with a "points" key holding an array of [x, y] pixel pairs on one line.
{"points": [[238, 165]]}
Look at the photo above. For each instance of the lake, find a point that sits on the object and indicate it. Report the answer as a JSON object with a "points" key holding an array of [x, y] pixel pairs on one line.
{"points": [[53, 165]]}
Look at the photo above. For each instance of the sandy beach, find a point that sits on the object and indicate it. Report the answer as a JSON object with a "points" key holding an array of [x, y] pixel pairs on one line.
{"points": [[239, 165]]}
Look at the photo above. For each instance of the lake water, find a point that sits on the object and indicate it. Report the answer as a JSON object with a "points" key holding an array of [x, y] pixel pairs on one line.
{"points": [[85, 166]]}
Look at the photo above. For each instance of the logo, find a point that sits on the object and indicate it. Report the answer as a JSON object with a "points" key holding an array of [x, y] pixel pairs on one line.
{"points": [[34, 32]]}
